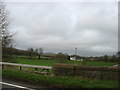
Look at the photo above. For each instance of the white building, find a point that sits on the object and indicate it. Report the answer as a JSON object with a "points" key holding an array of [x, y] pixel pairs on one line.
{"points": [[72, 58]]}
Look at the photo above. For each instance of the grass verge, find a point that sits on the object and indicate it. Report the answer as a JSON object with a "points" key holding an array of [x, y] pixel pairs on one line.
{"points": [[58, 81]]}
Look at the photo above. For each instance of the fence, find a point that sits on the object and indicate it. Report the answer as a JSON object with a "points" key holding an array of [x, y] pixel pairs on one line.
{"points": [[99, 72], [36, 67]]}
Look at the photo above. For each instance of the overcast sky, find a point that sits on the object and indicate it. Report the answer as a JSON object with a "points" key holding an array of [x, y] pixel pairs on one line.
{"points": [[91, 27]]}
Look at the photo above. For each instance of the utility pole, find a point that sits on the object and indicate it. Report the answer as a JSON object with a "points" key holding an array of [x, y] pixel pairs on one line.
{"points": [[75, 52]]}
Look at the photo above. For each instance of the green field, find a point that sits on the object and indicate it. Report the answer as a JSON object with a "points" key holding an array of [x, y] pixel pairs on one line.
{"points": [[55, 81], [58, 81], [51, 62]]}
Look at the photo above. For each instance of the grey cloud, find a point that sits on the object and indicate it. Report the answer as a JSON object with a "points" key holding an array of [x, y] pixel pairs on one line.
{"points": [[91, 27]]}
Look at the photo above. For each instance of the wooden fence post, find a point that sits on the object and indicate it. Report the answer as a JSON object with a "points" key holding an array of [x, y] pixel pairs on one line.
{"points": [[101, 76], [2, 66], [74, 70], [47, 71], [36, 69], [20, 68]]}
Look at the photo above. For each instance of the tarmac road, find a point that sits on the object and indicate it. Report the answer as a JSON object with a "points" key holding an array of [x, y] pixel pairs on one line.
{"points": [[11, 84], [6, 87], [19, 85]]}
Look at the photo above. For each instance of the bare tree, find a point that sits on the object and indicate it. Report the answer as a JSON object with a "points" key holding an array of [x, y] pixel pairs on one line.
{"points": [[39, 52], [5, 36], [113, 58], [118, 53], [105, 58], [118, 56], [30, 52]]}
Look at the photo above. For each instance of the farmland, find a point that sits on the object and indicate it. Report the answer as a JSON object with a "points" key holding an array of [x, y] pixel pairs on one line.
{"points": [[28, 75], [52, 62]]}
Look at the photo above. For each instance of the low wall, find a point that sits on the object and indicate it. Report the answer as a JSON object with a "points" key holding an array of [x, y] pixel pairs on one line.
{"points": [[99, 72]]}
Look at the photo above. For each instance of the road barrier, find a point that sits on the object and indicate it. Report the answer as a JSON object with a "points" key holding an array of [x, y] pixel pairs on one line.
{"points": [[36, 67]]}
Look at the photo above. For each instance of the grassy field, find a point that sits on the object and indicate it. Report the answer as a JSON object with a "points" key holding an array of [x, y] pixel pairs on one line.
{"points": [[56, 81], [51, 62], [59, 82]]}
